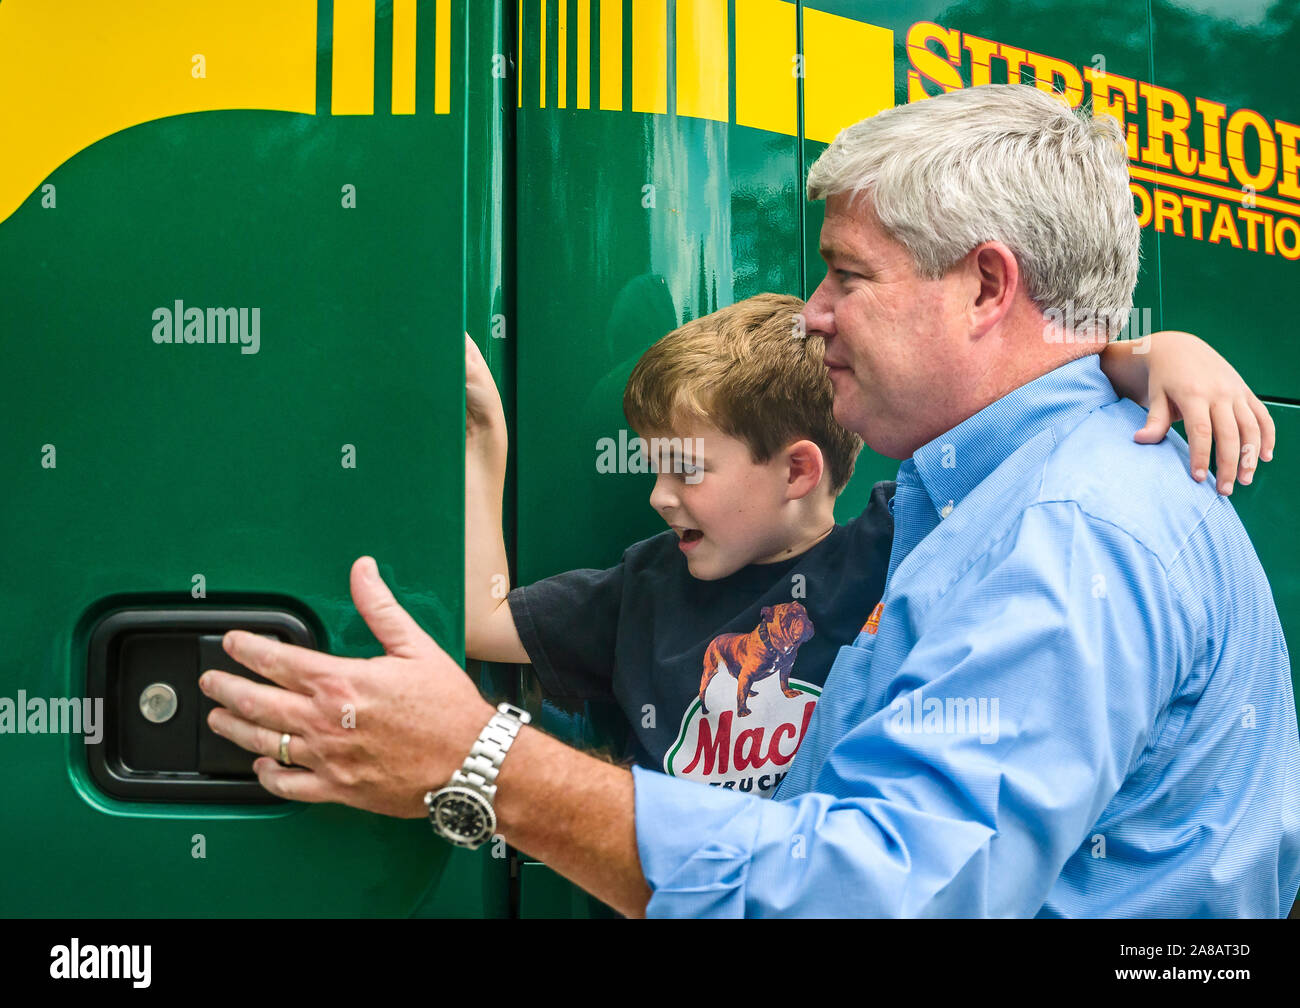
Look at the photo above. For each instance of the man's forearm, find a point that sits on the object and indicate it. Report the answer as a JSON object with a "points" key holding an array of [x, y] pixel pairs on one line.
{"points": [[577, 814]]}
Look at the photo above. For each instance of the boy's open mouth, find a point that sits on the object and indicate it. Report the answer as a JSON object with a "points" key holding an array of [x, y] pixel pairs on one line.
{"points": [[687, 538]]}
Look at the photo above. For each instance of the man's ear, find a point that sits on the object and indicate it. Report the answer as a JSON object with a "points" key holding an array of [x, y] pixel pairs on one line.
{"points": [[995, 276], [806, 466]]}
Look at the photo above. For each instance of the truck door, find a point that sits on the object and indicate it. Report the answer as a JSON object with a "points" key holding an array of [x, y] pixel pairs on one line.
{"points": [[232, 261]]}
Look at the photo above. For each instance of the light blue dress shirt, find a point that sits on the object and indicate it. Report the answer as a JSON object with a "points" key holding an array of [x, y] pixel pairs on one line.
{"points": [[1078, 701]]}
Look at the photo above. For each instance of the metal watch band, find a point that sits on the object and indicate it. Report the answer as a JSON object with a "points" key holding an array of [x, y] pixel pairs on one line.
{"points": [[483, 763]]}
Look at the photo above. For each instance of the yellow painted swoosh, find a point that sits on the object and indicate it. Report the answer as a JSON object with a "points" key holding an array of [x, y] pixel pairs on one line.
{"points": [[75, 71]]}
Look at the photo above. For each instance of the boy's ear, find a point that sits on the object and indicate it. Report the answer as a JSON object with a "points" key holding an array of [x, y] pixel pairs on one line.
{"points": [[806, 465]]}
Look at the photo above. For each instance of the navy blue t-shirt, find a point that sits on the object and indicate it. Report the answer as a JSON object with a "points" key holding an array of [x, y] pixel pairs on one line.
{"points": [[717, 679]]}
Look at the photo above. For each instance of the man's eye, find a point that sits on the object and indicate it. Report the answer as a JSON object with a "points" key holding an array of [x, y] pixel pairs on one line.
{"points": [[846, 275]]}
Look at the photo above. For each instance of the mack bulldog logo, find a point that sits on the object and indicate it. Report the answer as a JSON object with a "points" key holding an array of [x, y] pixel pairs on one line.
{"points": [[714, 745], [771, 647]]}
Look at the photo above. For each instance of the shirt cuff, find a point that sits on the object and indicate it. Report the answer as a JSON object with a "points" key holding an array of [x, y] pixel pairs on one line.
{"points": [[696, 844]]}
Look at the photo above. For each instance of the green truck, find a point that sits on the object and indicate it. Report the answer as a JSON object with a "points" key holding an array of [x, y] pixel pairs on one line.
{"points": [[240, 242]]}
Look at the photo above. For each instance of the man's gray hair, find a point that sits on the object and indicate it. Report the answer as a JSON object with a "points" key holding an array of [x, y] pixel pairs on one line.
{"points": [[1000, 162]]}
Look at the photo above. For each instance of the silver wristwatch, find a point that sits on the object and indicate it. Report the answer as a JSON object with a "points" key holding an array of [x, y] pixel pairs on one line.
{"points": [[462, 811]]}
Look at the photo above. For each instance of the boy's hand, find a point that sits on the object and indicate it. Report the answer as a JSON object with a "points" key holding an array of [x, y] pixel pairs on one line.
{"points": [[485, 419], [1187, 380]]}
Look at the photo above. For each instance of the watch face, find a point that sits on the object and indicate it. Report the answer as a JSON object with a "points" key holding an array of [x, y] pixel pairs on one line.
{"points": [[462, 815]]}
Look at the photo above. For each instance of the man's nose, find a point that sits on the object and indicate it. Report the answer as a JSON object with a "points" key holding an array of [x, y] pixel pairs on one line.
{"points": [[817, 315]]}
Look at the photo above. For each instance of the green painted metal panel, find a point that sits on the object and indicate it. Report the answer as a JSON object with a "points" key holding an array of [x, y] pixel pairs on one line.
{"points": [[1244, 300], [489, 267], [602, 274], [179, 460], [544, 895]]}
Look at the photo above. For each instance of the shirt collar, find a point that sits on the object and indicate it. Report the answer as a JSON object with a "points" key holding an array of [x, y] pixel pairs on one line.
{"points": [[1058, 400]]}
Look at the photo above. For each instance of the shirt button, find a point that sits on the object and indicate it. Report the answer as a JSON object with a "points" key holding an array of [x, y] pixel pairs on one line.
{"points": [[946, 510]]}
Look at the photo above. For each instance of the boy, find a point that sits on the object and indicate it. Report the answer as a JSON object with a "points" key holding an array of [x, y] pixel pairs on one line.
{"points": [[716, 636]]}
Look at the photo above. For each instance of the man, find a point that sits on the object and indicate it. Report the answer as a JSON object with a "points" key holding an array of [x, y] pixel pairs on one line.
{"points": [[1074, 698]]}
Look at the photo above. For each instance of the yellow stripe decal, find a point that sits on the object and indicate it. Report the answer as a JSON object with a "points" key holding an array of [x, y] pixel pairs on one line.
{"points": [[649, 56], [73, 74], [442, 58], [562, 55], [582, 99], [404, 57], [767, 90], [352, 89], [848, 73], [702, 70], [611, 55]]}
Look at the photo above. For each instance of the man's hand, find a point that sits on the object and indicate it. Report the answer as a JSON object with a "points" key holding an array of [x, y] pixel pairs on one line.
{"points": [[379, 733], [373, 733]]}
